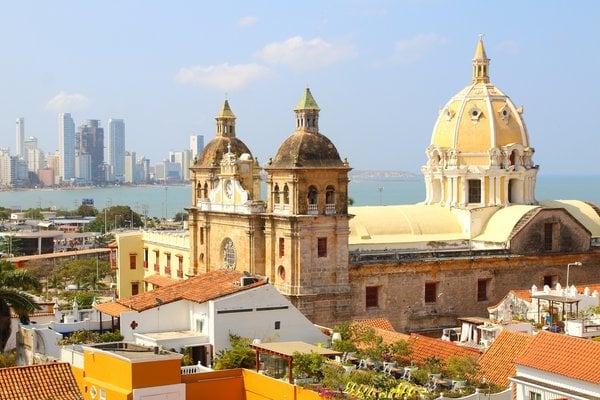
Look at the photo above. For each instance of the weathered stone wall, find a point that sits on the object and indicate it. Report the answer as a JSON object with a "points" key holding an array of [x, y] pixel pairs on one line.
{"points": [[402, 285]]}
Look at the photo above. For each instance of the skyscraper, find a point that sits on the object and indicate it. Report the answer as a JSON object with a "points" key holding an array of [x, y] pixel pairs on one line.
{"points": [[66, 146], [20, 137], [196, 145], [116, 148], [90, 140]]}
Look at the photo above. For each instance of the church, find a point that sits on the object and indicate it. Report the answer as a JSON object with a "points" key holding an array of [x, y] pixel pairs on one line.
{"points": [[479, 233]]}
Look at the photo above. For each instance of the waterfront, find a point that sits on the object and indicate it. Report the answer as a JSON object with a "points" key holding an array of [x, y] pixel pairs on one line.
{"points": [[158, 200]]}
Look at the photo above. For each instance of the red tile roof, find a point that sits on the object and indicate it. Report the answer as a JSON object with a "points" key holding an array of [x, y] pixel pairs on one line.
{"points": [[424, 347], [563, 355], [199, 289], [497, 363], [380, 323], [158, 280], [41, 381]]}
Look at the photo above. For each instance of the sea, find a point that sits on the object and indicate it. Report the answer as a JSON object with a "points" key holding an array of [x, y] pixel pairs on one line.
{"points": [[165, 201]]}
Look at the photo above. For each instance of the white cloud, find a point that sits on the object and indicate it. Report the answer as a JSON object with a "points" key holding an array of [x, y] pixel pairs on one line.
{"points": [[222, 77], [411, 50], [248, 20], [300, 54], [68, 102]]}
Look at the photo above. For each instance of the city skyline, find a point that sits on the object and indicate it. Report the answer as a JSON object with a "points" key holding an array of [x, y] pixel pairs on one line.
{"points": [[380, 70]]}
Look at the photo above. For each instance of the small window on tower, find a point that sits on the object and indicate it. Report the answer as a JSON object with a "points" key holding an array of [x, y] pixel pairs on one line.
{"points": [[322, 247], [281, 247], [430, 292], [372, 296]]}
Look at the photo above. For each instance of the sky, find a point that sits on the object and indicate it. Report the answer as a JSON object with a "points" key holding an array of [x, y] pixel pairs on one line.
{"points": [[379, 70]]}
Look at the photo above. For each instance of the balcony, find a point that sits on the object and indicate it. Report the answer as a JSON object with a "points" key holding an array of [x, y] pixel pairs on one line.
{"points": [[156, 268], [330, 209], [312, 209]]}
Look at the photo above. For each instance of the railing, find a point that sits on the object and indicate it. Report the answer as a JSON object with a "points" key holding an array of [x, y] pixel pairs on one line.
{"points": [[194, 369], [330, 209], [312, 209]]}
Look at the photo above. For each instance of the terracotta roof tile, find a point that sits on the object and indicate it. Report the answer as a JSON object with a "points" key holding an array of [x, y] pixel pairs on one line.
{"points": [[497, 363], [424, 347], [563, 355], [381, 323], [113, 308], [41, 381], [160, 280], [199, 289]]}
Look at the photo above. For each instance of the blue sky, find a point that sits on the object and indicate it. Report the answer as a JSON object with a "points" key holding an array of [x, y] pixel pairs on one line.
{"points": [[380, 70]]}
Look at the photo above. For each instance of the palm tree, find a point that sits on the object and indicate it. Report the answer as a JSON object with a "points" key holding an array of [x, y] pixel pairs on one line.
{"points": [[12, 282]]}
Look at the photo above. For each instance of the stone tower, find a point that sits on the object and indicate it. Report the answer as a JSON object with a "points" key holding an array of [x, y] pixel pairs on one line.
{"points": [[306, 228], [226, 226]]}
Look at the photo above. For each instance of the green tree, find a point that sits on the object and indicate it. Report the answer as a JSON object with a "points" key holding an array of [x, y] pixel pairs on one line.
{"points": [[11, 245], [181, 216], [115, 217], [240, 355], [86, 210], [12, 284], [86, 273]]}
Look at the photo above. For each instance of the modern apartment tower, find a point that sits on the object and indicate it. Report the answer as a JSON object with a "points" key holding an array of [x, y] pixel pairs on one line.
{"points": [[116, 148], [66, 146], [20, 137], [90, 141], [196, 145]]}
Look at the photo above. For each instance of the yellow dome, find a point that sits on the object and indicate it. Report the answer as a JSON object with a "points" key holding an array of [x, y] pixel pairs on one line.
{"points": [[479, 118]]}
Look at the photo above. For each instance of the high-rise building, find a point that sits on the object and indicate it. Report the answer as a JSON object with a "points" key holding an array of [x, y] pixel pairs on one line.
{"points": [[33, 156], [20, 136], [5, 167], [90, 140], [116, 148], [196, 145], [66, 146], [53, 162]]}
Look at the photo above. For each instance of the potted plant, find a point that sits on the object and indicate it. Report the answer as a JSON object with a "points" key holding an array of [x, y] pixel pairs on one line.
{"points": [[460, 369], [306, 367], [434, 365]]}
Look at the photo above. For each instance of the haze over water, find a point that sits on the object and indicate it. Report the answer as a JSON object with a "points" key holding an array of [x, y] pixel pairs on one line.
{"points": [[168, 200]]}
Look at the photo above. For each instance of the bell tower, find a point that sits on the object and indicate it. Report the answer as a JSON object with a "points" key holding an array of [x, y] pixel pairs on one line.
{"points": [[306, 231]]}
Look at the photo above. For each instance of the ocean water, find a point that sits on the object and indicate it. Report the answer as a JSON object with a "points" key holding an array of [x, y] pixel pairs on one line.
{"points": [[160, 201]]}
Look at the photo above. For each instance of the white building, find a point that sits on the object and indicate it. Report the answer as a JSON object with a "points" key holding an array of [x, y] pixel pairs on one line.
{"points": [[201, 312], [556, 366], [66, 146], [116, 148], [83, 168], [130, 174], [196, 145], [20, 136], [5, 167]]}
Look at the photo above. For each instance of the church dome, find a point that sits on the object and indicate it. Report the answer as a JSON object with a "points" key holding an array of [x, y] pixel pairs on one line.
{"points": [[306, 147], [225, 136], [479, 118]]}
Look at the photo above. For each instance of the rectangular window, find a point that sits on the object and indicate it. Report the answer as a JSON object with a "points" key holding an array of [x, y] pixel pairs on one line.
{"points": [[200, 325], [168, 266], [156, 261], [482, 285], [474, 191], [550, 233], [201, 235], [535, 396], [281, 247], [322, 247], [277, 325], [132, 261], [146, 258], [430, 292], [372, 297], [135, 288], [180, 267]]}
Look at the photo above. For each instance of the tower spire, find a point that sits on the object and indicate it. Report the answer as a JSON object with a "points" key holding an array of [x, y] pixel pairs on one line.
{"points": [[307, 113], [481, 63], [225, 121]]}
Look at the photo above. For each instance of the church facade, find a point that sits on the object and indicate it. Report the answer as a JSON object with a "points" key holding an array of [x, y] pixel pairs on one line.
{"points": [[479, 233]]}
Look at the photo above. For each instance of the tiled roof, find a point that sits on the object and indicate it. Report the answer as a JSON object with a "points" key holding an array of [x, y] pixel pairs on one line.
{"points": [[563, 355], [424, 347], [523, 294], [41, 381], [199, 289], [381, 323], [497, 363], [158, 280]]}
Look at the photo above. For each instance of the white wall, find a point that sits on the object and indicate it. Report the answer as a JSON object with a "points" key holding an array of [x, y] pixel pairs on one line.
{"points": [[554, 380], [166, 318], [294, 326]]}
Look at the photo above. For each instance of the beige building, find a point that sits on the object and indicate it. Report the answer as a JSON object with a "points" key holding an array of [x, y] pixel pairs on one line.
{"points": [[479, 233]]}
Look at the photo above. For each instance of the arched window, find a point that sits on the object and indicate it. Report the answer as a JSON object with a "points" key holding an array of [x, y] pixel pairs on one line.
{"points": [[205, 190], [330, 200], [312, 200], [276, 194], [286, 194]]}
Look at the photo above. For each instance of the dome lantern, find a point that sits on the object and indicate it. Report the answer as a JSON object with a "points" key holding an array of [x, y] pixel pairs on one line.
{"points": [[481, 63]]}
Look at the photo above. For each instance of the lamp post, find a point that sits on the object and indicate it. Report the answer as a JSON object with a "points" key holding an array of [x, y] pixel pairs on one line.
{"points": [[577, 264]]}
